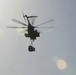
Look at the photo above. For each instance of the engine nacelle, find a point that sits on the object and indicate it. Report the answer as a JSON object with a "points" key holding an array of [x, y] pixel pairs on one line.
{"points": [[26, 35]]}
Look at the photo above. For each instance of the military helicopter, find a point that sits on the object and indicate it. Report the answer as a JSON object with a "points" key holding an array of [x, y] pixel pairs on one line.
{"points": [[32, 33]]}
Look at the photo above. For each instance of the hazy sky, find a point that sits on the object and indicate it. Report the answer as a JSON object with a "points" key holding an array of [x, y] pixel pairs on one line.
{"points": [[51, 48]]}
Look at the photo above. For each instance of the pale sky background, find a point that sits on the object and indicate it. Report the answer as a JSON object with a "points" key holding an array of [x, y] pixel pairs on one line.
{"points": [[59, 44]]}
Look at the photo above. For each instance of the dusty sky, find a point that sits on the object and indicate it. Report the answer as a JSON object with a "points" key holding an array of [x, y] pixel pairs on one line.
{"points": [[55, 51]]}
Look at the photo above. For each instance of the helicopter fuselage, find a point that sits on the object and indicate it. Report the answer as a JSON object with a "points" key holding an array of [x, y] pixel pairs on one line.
{"points": [[31, 32]]}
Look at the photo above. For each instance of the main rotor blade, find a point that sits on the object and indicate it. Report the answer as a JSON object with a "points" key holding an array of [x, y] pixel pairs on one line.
{"points": [[45, 22], [15, 20], [32, 16], [47, 27], [15, 27], [47, 31], [23, 31]]}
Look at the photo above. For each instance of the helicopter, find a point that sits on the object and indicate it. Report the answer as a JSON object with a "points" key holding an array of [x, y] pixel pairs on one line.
{"points": [[32, 33]]}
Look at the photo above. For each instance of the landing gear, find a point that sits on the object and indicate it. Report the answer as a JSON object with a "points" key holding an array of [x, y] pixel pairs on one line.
{"points": [[31, 48]]}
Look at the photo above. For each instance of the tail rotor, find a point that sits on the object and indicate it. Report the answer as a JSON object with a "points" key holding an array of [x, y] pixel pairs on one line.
{"points": [[24, 16]]}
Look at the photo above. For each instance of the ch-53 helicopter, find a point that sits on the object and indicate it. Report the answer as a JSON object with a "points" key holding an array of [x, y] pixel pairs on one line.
{"points": [[32, 33]]}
